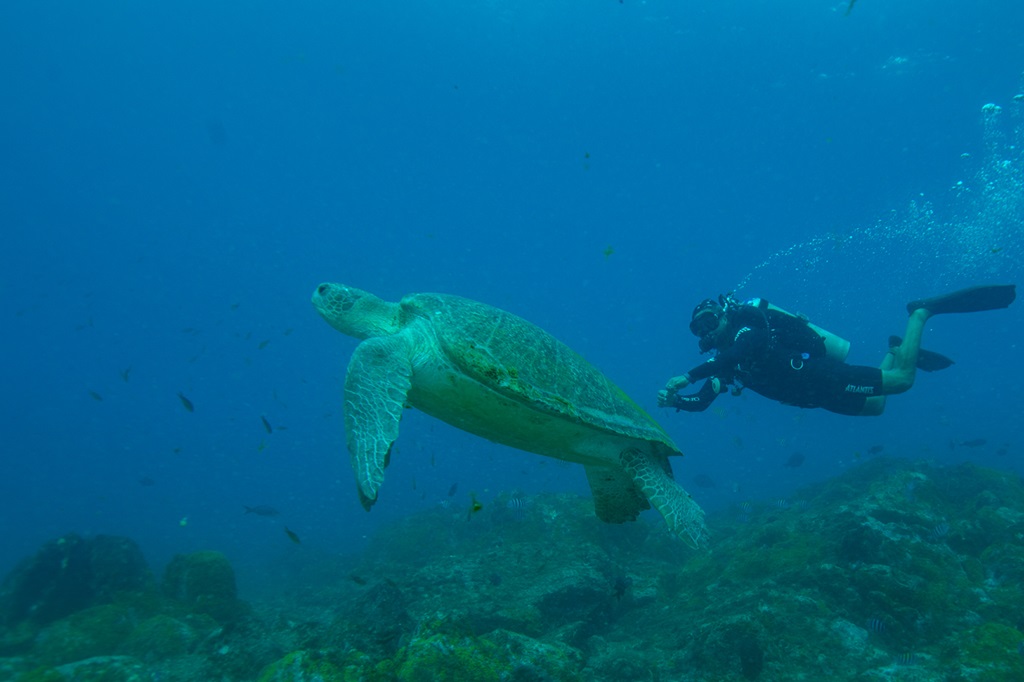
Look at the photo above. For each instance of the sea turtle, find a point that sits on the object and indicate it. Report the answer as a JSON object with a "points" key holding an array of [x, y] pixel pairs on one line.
{"points": [[495, 375]]}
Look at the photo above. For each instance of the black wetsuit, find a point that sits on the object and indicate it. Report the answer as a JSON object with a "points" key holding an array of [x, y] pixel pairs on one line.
{"points": [[781, 357]]}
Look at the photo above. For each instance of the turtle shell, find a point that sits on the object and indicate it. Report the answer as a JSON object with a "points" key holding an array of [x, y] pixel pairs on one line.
{"points": [[522, 361]]}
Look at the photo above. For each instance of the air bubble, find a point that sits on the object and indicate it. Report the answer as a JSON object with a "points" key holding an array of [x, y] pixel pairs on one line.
{"points": [[974, 234]]}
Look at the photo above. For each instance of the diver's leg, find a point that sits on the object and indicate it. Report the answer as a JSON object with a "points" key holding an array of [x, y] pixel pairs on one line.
{"points": [[900, 376], [873, 406], [927, 360], [889, 360]]}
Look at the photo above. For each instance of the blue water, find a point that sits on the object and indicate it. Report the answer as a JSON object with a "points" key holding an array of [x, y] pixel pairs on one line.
{"points": [[176, 178]]}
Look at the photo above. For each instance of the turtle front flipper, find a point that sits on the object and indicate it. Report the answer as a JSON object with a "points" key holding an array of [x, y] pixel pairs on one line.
{"points": [[378, 380], [684, 516]]}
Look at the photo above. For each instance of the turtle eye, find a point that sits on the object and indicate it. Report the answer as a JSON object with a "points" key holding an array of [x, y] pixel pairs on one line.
{"points": [[322, 289]]}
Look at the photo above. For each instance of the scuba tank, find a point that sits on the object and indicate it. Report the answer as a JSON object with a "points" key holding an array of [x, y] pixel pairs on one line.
{"points": [[836, 347]]}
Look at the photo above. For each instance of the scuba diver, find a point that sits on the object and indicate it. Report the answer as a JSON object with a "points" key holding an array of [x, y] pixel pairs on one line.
{"points": [[786, 358]]}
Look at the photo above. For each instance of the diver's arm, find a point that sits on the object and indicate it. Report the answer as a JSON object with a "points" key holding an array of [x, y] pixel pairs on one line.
{"points": [[747, 344], [705, 370], [701, 400]]}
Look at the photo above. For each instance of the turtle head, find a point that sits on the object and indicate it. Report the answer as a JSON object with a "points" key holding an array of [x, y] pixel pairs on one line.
{"points": [[355, 312]]}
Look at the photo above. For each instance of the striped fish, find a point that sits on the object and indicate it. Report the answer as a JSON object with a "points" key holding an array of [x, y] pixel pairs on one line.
{"points": [[906, 659], [517, 508], [940, 531]]}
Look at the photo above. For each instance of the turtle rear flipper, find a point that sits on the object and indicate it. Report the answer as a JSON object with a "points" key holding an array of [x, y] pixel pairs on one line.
{"points": [[684, 516], [616, 497], [379, 378]]}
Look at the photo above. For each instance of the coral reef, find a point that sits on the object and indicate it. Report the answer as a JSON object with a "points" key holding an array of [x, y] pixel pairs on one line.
{"points": [[895, 570], [69, 574], [205, 583]]}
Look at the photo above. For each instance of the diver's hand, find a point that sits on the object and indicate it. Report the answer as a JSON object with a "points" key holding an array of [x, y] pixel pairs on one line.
{"points": [[667, 395], [677, 383]]}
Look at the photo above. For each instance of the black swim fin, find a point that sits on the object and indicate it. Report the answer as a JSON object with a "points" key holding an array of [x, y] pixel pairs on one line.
{"points": [[970, 300], [927, 360]]}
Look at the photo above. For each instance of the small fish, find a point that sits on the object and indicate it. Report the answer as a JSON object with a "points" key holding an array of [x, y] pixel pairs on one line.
{"points": [[262, 446], [474, 506], [906, 659], [292, 536], [261, 510], [745, 507], [782, 503], [795, 460], [494, 579], [875, 625], [357, 579], [185, 402], [146, 481], [608, 251], [96, 396], [183, 522], [996, 249], [849, 8], [875, 449], [263, 344], [517, 507], [235, 306], [704, 481], [454, 489], [940, 531], [620, 585], [124, 374], [973, 443], [266, 424]]}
